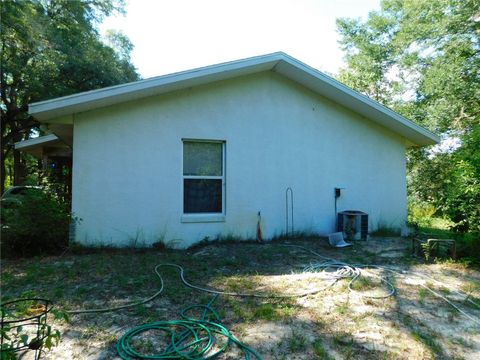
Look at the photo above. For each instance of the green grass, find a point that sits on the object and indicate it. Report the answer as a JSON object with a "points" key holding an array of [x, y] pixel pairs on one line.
{"points": [[265, 312], [241, 312], [297, 342], [274, 312], [427, 339], [344, 345], [343, 308], [423, 335], [320, 352], [422, 294], [253, 310], [437, 232], [364, 283]]}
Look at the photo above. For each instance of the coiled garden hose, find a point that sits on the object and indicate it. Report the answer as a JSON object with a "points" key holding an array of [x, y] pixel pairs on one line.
{"points": [[351, 272], [188, 338], [345, 271], [403, 274]]}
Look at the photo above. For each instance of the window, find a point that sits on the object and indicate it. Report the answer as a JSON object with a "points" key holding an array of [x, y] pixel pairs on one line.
{"points": [[203, 177]]}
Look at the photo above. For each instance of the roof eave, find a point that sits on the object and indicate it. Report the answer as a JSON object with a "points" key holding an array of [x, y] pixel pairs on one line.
{"points": [[93, 99], [343, 95], [278, 62]]}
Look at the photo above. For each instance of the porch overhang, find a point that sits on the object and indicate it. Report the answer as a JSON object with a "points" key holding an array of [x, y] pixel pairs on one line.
{"points": [[48, 145]]}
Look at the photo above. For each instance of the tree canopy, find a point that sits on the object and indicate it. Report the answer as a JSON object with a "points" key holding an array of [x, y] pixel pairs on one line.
{"points": [[52, 48], [422, 58]]}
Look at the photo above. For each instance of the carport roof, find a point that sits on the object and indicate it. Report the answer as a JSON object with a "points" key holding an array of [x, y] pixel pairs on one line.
{"points": [[279, 62]]}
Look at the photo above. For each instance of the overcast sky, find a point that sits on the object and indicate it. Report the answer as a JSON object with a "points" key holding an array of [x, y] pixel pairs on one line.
{"points": [[175, 35]]}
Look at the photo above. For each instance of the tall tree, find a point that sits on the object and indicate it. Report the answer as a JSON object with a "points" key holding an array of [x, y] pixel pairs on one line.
{"points": [[370, 55], [52, 48], [422, 58]]}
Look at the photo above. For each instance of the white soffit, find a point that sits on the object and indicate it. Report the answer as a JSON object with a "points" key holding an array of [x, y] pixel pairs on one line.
{"points": [[278, 62]]}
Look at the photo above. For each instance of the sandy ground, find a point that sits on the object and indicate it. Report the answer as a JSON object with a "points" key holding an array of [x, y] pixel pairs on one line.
{"points": [[336, 323]]}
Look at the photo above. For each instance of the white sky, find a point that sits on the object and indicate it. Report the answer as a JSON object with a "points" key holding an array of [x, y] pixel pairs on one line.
{"points": [[175, 35]]}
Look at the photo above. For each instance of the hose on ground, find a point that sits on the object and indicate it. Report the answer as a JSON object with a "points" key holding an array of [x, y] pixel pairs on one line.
{"points": [[195, 287], [188, 338], [344, 270], [403, 274], [122, 307]]}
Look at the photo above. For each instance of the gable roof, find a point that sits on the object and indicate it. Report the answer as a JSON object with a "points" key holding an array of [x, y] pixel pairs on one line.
{"points": [[278, 62]]}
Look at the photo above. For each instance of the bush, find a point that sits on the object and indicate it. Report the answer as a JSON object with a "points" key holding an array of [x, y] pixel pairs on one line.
{"points": [[468, 247], [38, 224], [421, 213]]}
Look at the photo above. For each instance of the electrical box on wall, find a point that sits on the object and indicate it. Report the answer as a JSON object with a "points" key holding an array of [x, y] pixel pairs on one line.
{"points": [[338, 192]]}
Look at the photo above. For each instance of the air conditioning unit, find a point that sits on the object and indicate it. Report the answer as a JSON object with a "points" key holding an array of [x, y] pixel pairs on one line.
{"points": [[353, 224]]}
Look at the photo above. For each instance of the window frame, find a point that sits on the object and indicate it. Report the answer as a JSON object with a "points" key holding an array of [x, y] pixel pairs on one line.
{"points": [[207, 216]]}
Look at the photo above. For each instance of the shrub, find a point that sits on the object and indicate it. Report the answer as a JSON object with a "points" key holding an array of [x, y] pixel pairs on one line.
{"points": [[421, 213], [468, 247], [38, 224]]}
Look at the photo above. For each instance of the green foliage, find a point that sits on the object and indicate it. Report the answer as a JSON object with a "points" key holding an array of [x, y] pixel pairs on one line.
{"points": [[38, 224], [468, 247], [462, 198], [420, 213], [52, 48], [451, 183], [467, 244], [25, 333], [17, 337], [369, 54], [422, 59]]}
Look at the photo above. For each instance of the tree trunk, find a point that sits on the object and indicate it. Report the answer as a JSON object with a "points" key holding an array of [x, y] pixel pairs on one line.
{"points": [[18, 168]]}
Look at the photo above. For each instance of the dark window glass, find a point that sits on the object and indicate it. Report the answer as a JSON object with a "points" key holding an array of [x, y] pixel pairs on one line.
{"points": [[202, 196]]}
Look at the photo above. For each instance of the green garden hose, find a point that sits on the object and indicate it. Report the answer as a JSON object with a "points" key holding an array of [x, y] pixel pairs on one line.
{"points": [[188, 338]]}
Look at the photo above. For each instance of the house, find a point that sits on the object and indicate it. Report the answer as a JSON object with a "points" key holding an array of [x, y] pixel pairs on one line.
{"points": [[211, 152]]}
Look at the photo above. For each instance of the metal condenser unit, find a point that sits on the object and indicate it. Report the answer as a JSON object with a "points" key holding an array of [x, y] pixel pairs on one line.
{"points": [[353, 224]]}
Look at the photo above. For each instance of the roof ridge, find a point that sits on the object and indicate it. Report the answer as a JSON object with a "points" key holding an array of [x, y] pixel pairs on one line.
{"points": [[279, 62]]}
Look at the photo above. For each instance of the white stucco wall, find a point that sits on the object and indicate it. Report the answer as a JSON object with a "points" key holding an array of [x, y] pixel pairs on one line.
{"points": [[127, 174]]}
